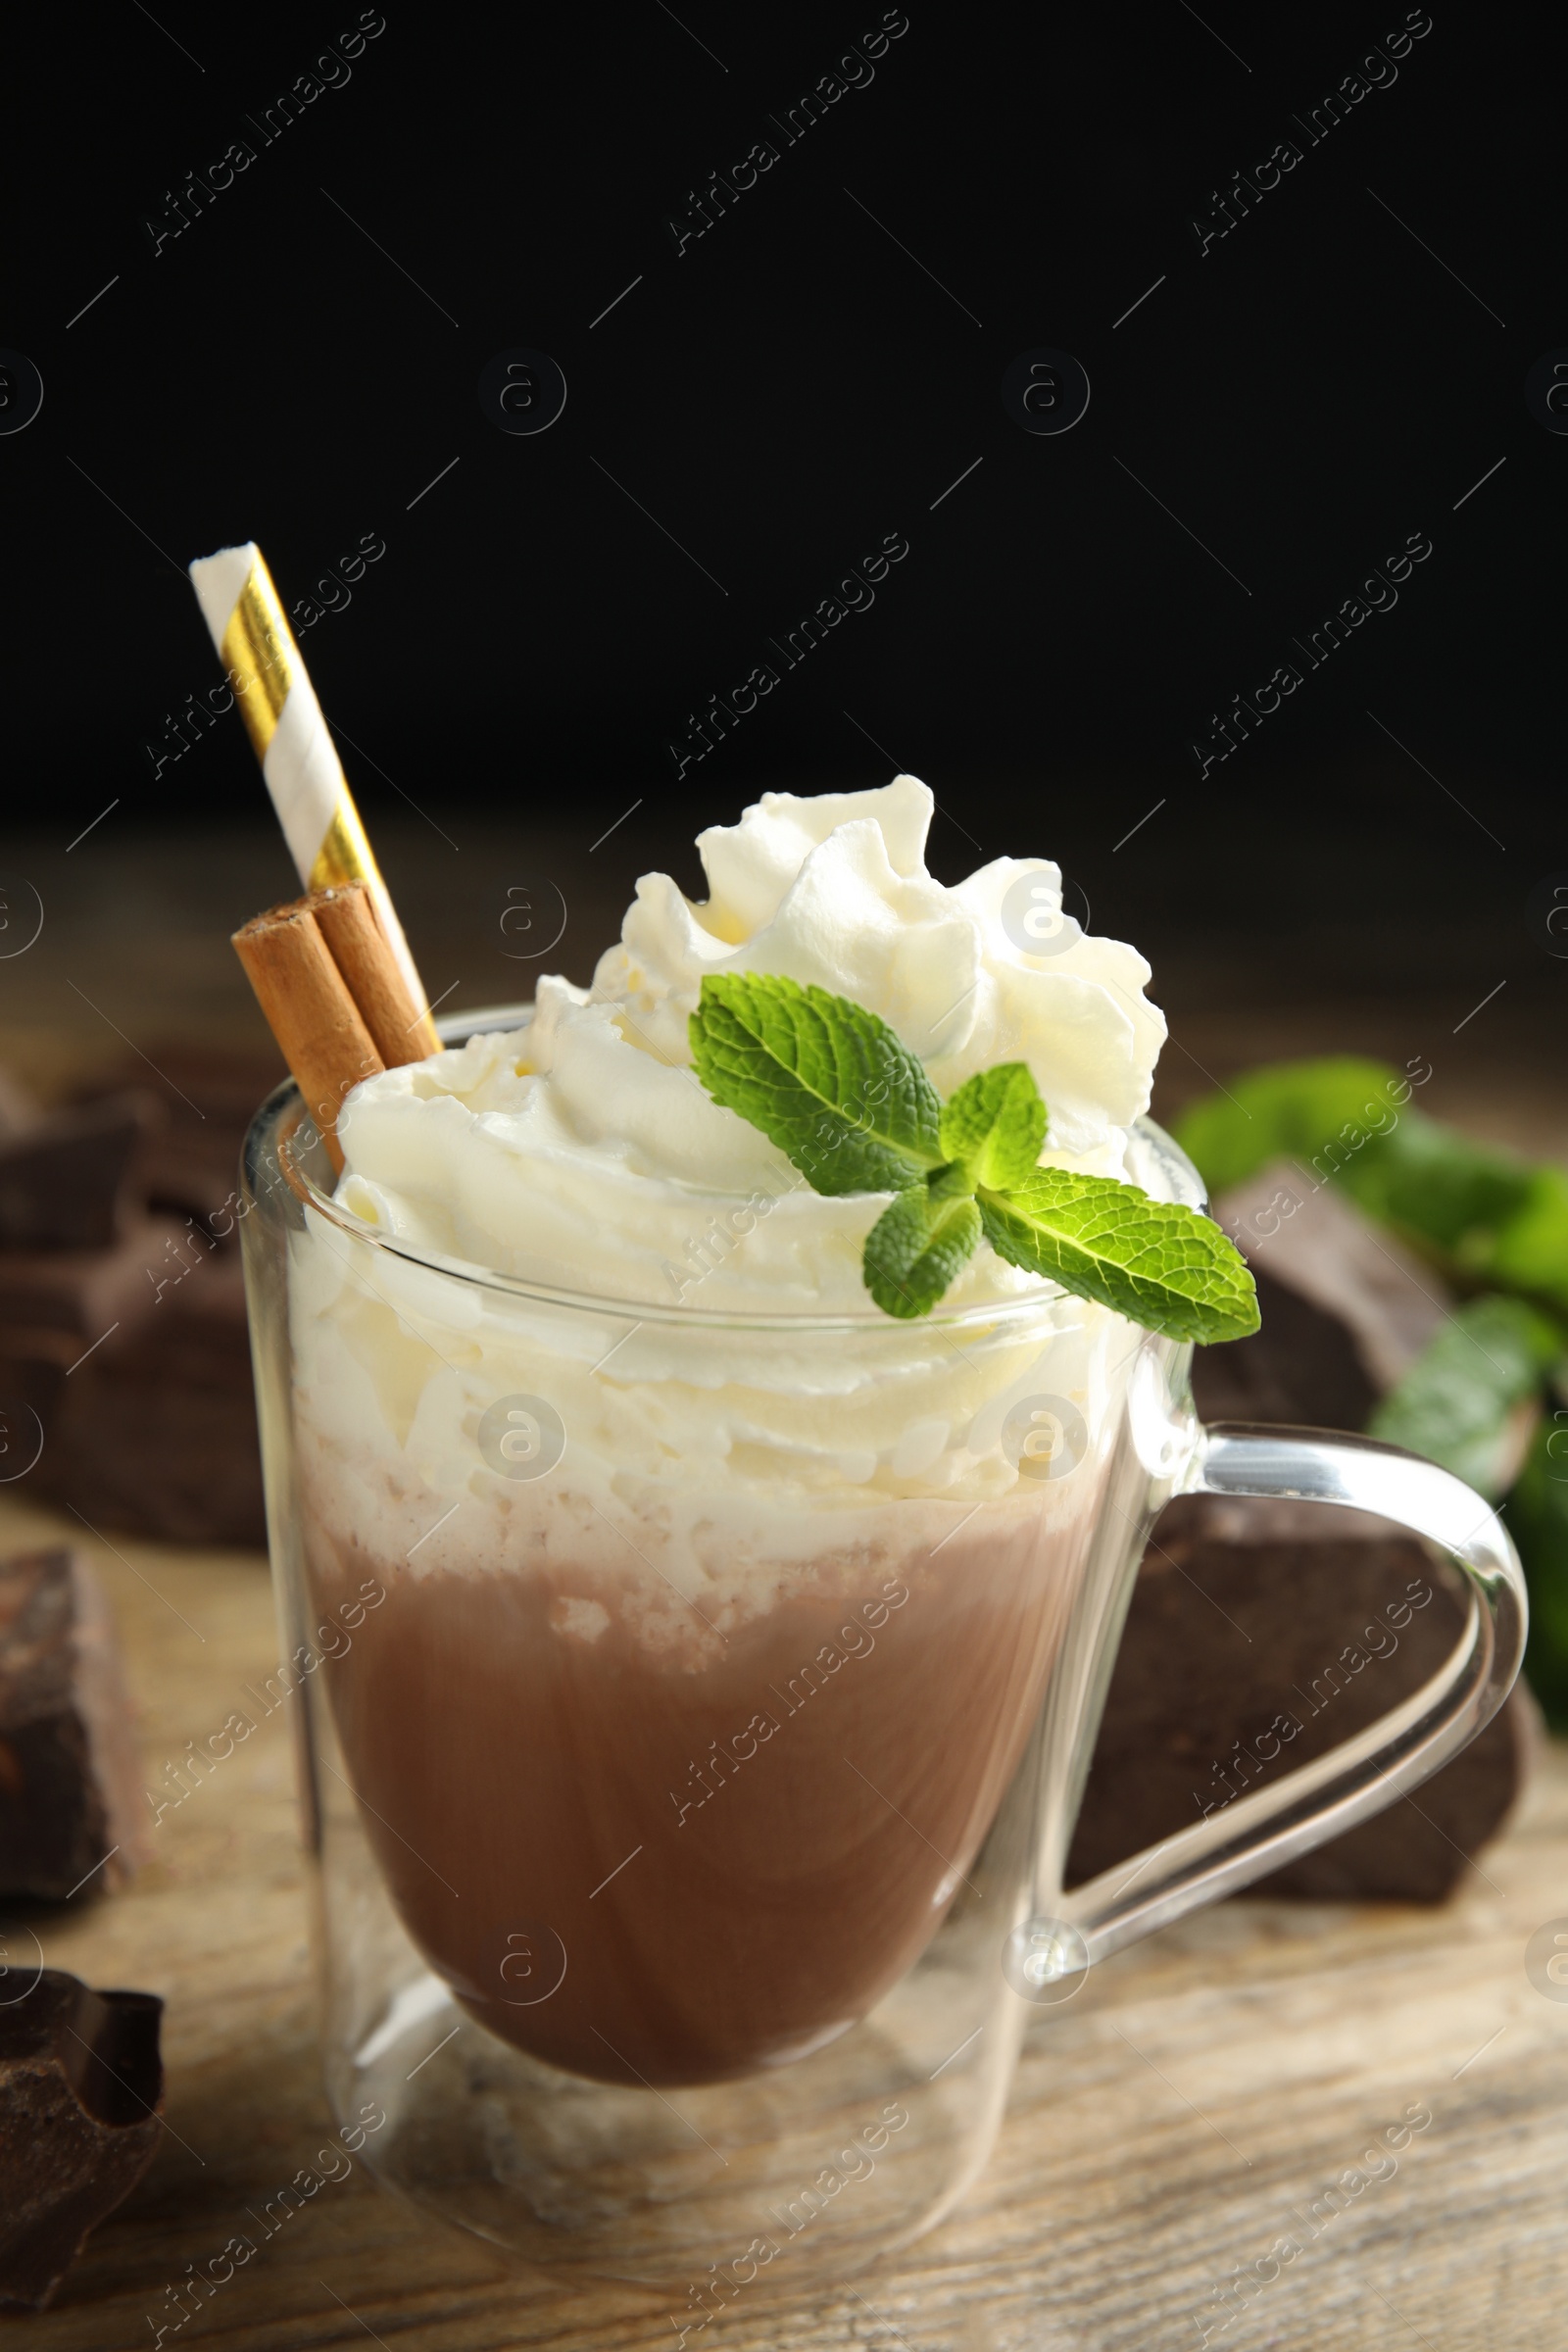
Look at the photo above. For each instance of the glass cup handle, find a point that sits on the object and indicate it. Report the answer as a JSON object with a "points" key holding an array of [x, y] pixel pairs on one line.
{"points": [[1269, 1827]]}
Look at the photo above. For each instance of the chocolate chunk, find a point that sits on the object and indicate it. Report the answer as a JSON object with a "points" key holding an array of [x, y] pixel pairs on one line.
{"points": [[1268, 1621], [157, 1437], [81, 2086], [1415, 1852], [1346, 1309], [190, 1160], [136, 1362], [134, 1356], [1259, 1635], [69, 1182], [87, 1291], [1301, 1367], [70, 1811]]}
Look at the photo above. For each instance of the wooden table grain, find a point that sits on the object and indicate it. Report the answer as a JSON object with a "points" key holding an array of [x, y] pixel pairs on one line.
{"points": [[1172, 2125]]}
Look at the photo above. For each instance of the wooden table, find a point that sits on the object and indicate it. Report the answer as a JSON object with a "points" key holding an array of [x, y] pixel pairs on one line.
{"points": [[1174, 2121]]}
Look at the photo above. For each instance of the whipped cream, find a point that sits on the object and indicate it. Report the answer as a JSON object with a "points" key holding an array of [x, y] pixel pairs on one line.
{"points": [[714, 1460], [583, 1153]]}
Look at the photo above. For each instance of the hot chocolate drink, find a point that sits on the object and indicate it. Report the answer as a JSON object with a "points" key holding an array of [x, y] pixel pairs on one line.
{"points": [[719, 1606], [677, 1862]]}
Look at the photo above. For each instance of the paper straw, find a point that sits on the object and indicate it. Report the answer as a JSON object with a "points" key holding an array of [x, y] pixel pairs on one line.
{"points": [[290, 738]]}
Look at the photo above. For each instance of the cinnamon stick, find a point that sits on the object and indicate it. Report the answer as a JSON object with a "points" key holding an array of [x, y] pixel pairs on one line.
{"points": [[310, 1010], [349, 924]]}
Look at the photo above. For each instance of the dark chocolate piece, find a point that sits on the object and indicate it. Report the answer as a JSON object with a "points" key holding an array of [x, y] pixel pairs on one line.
{"points": [[71, 1807], [157, 1437], [135, 1357], [69, 1182], [136, 1361], [85, 1293], [1259, 1622], [190, 1161], [1259, 1635], [82, 2086], [1300, 1369], [1346, 1309]]}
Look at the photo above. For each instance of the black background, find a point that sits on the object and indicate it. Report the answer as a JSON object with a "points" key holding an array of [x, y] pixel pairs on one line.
{"points": [[1305, 395]]}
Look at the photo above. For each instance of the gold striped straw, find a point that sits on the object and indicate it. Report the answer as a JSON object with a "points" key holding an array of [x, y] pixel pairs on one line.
{"points": [[290, 738]]}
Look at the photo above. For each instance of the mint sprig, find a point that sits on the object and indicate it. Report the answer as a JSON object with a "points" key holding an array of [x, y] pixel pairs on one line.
{"points": [[844, 1100]]}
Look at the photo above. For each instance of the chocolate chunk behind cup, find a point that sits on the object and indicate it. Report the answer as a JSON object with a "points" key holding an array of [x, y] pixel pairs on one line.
{"points": [[1261, 1635]]}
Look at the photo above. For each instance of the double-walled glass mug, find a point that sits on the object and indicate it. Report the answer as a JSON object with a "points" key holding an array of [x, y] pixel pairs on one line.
{"points": [[693, 1709]]}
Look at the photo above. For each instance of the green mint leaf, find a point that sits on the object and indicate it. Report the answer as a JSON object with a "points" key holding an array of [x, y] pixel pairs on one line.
{"points": [[996, 1125], [920, 1242], [1460, 1401], [1161, 1264], [829, 1083]]}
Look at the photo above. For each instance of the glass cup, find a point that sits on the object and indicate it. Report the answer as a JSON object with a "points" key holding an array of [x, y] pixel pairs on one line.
{"points": [[692, 1713]]}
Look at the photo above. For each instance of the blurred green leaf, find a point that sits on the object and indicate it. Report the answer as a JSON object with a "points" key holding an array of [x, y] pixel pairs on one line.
{"points": [[1284, 1111], [1436, 1185], [1530, 1250], [1457, 1404], [1538, 1519], [1489, 1217]]}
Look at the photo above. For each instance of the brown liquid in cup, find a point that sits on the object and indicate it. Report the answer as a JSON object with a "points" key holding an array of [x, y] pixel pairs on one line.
{"points": [[685, 1860]]}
